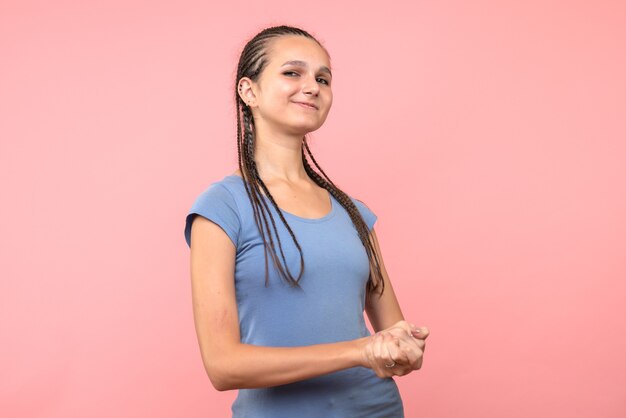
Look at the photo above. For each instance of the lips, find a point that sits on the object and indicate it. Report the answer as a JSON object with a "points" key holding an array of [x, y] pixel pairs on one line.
{"points": [[311, 105]]}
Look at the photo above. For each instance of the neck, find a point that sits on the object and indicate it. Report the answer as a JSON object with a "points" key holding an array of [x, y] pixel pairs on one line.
{"points": [[279, 157]]}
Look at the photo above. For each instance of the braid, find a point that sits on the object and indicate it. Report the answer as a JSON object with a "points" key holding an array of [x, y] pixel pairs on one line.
{"points": [[252, 61], [252, 189], [354, 213]]}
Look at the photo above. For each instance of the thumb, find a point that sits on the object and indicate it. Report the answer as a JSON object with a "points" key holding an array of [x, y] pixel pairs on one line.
{"points": [[421, 333], [408, 327]]}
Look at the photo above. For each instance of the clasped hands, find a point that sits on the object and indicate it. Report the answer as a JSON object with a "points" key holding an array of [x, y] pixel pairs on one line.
{"points": [[395, 351]]}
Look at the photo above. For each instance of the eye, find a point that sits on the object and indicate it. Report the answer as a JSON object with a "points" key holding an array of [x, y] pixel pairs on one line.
{"points": [[324, 81]]}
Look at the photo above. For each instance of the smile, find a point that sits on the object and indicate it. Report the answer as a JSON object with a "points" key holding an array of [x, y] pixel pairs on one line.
{"points": [[306, 106]]}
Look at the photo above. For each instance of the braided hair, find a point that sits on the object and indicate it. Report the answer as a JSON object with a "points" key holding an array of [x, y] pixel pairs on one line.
{"points": [[252, 61]]}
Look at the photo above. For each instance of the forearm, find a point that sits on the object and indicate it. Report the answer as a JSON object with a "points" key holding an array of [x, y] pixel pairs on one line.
{"points": [[251, 366], [383, 316], [384, 311]]}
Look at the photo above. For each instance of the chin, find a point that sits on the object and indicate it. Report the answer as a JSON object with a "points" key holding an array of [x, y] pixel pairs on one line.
{"points": [[304, 129], [303, 125]]}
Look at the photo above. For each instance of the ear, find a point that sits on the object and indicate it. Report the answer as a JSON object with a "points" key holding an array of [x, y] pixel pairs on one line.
{"points": [[245, 89]]}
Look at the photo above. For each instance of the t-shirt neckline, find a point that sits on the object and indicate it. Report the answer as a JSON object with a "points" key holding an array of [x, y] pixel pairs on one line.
{"points": [[328, 216]]}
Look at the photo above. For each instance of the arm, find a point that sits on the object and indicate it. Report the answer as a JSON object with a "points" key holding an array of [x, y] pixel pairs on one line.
{"points": [[399, 338], [229, 363], [383, 311]]}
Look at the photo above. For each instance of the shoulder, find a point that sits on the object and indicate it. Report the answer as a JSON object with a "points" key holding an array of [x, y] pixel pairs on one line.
{"points": [[360, 204], [217, 203], [226, 189], [368, 214]]}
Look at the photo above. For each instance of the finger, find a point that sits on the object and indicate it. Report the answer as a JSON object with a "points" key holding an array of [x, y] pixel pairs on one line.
{"points": [[412, 352], [399, 351], [388, 347], [386, 358], [403, 325], [413, 329], [422, 333], [403, 364], [377, 351], [419, 362], [419, 343], [393, 351], [403, 371], [409, 345], [398, 332], [409, 339]]}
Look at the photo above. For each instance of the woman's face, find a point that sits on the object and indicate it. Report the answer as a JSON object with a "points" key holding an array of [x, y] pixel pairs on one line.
{"points": [[298, 71]]}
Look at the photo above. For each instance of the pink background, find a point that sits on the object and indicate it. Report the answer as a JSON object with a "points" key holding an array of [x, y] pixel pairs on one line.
{"points": [[489, 138]]}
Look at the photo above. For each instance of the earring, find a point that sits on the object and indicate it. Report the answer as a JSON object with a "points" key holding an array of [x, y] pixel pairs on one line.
{"points": [[244, 102]]}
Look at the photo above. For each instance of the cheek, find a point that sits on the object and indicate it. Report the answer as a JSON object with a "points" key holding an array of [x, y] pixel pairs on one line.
{"points": [[284, 88], [329, 99], [278, 97]]}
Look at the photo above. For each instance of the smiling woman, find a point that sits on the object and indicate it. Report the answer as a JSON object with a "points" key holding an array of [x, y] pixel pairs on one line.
{"points": [[294, 340], [285, 84]]}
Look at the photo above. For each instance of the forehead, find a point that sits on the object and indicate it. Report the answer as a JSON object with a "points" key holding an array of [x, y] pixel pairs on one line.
{"points": [[298, 48]]}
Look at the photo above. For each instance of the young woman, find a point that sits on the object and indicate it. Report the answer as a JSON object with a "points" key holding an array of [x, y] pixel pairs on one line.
{"points": [[283, 262]]}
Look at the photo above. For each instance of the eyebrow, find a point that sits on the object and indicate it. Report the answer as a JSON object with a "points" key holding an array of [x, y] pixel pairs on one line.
{"points": [[299, 63]]}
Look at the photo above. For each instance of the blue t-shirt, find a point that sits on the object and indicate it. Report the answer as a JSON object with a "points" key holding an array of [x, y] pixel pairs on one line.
{"points": [[328, 308]]}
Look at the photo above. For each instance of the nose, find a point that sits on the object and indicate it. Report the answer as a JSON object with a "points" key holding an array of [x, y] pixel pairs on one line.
{"points": [[311, 86]]}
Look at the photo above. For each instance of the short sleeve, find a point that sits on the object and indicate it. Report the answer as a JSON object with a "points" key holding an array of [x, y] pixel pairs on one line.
{"points": [[368, 215], [218, 205]]}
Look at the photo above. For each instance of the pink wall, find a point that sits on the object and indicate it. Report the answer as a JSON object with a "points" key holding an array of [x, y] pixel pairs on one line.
{"points": [[491, 143]]}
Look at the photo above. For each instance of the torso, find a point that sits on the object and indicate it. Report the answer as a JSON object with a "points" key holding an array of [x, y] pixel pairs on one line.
{"points": [[327, 307], [306, 200]]}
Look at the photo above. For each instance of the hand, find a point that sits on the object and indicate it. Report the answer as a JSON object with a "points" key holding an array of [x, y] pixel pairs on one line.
{"points": [[420, 334], [401, 345]]}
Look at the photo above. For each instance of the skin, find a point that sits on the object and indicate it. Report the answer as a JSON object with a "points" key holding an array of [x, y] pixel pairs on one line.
{"points": [[280, 124]]}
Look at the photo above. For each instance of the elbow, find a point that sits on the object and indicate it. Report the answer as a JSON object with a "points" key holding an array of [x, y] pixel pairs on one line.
{"points": [[220, 386], [220, 378], [224, 370]]}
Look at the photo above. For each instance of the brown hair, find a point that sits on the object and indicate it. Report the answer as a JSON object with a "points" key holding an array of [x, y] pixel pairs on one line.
{"points": [[252, 62]]}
